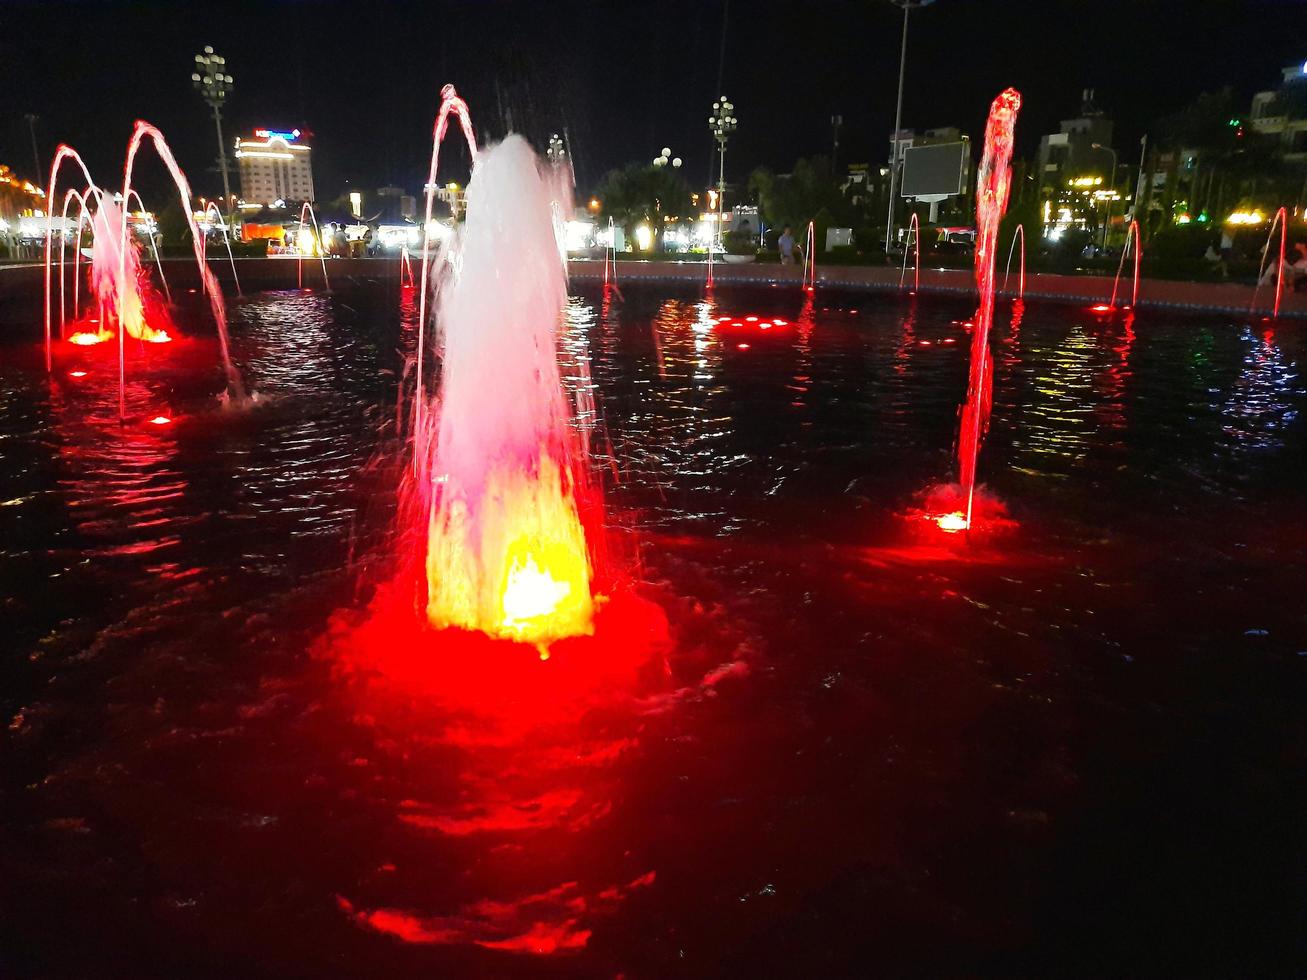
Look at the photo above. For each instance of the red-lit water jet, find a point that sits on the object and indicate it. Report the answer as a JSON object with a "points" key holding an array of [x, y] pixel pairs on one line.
{"points": [[992, 187], [1131, 238], [1282, 219]]}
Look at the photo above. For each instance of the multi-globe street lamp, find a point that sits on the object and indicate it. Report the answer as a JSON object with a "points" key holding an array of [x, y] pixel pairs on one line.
{"points": [[664, 158], [908, 6], [211, 80], [722, 122], [557, 151]]}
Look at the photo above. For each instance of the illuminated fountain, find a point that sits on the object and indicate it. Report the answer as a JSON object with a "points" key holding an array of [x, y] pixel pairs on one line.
{"points": [[119, 282], [118, 279], [506, 552], [212, 208], [992, 186]]}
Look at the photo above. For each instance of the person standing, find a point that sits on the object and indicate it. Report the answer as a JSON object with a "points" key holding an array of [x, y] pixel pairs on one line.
{"points": [[786, 245]]}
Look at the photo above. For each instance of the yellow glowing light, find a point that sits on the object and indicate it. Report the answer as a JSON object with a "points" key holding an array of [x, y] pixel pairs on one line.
{"points": [[594, 204], [520, 570], [644, 237], [85, 338], [1254, 217], [307, 245], [952, 523]]}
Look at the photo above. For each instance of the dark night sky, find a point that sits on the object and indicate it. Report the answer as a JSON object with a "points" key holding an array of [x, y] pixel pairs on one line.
{"points": [[624, 78]]}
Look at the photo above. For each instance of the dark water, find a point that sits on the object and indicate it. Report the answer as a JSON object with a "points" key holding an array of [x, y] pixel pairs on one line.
{"points": [[1074, 748]]}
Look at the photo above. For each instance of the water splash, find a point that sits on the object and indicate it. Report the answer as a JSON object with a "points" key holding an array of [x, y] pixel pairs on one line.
{"points": [[992, 186], [1131, 238], [506, 551], [1020, 233], [119, 282]]}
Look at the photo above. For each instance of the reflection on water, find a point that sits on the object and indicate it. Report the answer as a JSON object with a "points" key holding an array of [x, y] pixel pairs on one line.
{"points": [[857, 751]]}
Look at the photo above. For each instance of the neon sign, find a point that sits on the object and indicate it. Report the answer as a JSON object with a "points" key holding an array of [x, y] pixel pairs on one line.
{"points": [[270, 134]]}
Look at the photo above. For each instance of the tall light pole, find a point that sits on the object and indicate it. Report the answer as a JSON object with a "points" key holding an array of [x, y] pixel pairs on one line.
{"points": [[722, 122], [908, 6], [214, 85], [1111, 186], [37, 178]]}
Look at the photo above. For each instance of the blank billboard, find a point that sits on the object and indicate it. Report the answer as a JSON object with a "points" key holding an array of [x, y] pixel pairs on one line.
{"points": [[934, 170]]}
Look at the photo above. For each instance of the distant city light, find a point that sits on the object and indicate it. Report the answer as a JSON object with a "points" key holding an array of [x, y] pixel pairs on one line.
{"points": [[644, 237], [1254, 217]]}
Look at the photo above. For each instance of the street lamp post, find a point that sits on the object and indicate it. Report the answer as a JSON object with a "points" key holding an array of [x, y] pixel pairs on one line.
{"points": [[32, 118], [214, 85], [722, 122], [908, 6], [1111, 186]]}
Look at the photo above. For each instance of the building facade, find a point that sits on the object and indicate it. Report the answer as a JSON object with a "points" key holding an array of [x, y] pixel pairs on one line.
{"points": [[1081, 147], [275, 165], [1282, 112]]}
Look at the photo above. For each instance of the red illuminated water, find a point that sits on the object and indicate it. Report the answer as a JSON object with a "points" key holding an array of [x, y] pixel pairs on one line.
{"points": [[992, 186]]}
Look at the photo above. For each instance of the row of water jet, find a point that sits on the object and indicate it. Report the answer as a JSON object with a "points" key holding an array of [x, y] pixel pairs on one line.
{"points": [[117, 277], [992, 188], [913, 239]]}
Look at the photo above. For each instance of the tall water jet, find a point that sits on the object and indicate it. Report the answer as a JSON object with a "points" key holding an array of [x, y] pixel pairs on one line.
{"points": [[992, 187], [212, 208], [506, 551]]}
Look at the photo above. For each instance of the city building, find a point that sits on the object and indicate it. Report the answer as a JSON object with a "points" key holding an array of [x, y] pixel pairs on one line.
{"points": [[1081, 148], [1282, 112], [275, 165]]}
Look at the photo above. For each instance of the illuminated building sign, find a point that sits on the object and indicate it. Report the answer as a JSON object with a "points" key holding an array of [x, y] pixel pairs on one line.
{"points": [[270, 134]]}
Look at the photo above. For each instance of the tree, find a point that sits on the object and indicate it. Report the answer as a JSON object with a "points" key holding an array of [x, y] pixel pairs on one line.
{"points": [[641, 193], [809, 193]]}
